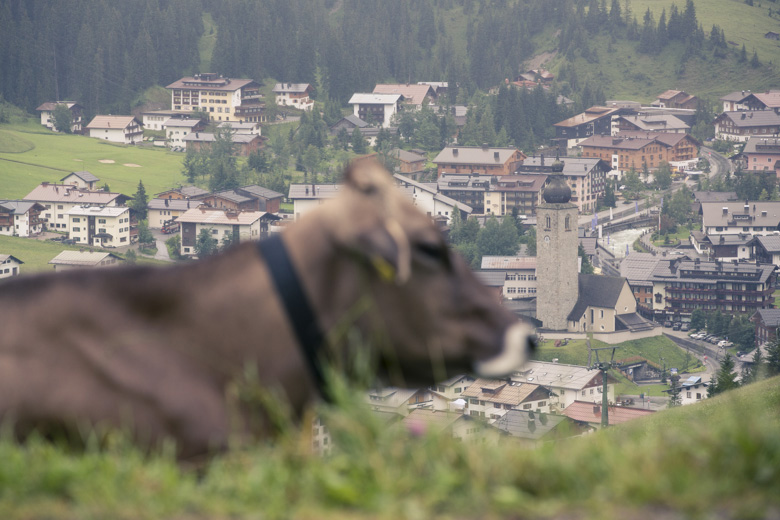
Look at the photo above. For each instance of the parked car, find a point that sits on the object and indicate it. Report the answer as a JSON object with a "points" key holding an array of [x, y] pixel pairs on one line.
{"points": [[685, 326], [714, 340], [677, 325], [668, 323]]}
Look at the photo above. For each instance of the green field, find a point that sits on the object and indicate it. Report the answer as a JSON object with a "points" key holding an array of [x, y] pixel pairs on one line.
{"points": [[55, 155]]}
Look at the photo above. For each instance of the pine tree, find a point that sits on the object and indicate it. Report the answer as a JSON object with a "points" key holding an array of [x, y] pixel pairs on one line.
{"points": [[754, 60], [140, 201], [773, 358], [358, 142], [725, 378], [675, 397], [205, 244]]}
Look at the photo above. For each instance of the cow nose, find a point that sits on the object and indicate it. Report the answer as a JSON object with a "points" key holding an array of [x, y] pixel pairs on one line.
{"points": [[516, 350]]}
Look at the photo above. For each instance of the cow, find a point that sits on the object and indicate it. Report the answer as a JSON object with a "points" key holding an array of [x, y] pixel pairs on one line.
{"points": [[157, 350]]}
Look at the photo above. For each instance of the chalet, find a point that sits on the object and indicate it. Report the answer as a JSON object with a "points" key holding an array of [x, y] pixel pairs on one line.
{"points": [[469, 189], [766, 249], [637, 269], [586, 176], [176, 129], [220, 98], [763, 154], [76, 114], [767, 100], [107, 226], [117, 129], [296, 95], [428, 199], [68, 260], [243, 144], [58, 199], [243, 128], [409, 163], [246, 198], [414, 96], [590, 413], [349, 123], [161, 210], [474, 159], [741, 126], [82, 179], [771, 35], [637, 150], [596, 120], [767, 321], [520, 280], [735, 101], [676, 99], [568, 383], [183, 193], [733, 217], [492, 398], [508, 192], [9, 266], [154, 119], [453, 387], [439, 87], [649, 123], [235, 226], [692, 390], [376, 108], [21, 218]]}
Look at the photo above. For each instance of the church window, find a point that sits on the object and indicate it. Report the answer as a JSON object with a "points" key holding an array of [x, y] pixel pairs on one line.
{"points": [[547, 221], [568, 223]]}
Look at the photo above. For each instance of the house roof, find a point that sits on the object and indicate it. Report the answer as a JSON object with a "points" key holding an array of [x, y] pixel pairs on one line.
{"points": [[182, 122], [491, 278], [235, 125], [83, 258], [415, 94], [313, 191], [432, 420], [667, 138], [293, 88], [506, 263], [66, 193], [187, 191], [591, 114], [769, 317], [596, 291], [762, 145], [586, 412], [83, 175], [572, 166], [708, 272], [518, 423], [432, 189], [19, 207], [533, 182], [354, 120], [225, 84], [770, 243], [638, 268], [499, 391], [736, 214], [207, 137], [260, 191], [714, 196], [670, 94], [390, 396], [656, 122], [770, 98], [476, 155], [98, 211], [618, 143], [204, 215], [114, 122], [557, 375], [51, 105], [737, 96], [751, 118], [231, 196], [406, 156], [173, 204], [374, 99], [5, 258]]}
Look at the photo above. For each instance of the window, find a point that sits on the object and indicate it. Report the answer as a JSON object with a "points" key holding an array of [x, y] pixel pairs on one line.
{"points": [[474, 401], [568, 223], [698, 395], [76, 219], [59, 206], [602, 313], [546, 221], [101, 221], [496, 405], [76, 229], [527, 406], [214, 231], [688, 395]]}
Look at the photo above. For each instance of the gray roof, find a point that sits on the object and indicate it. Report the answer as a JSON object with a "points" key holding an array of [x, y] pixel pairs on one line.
{"points": [[4, 258], [354, 120], [260, 191], [770, 317], [17, 207], [313, 191], [208, 137], [474, 155], [763, 145], [747, 119], [432, 188], [374, 99], [770, 243], [596, 291], [84, 258], [737, 96], [758, 213], [182, 122], [232, 196], [714, 196], [83, 175], [491, 278], [291, 87], [518, 423], [711, 272], [656, 122], [173, 204], [589, 244], [572, 166], [406, 156]]}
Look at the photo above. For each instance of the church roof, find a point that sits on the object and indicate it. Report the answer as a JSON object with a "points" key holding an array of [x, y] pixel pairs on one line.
{"points": [[596, 291]]}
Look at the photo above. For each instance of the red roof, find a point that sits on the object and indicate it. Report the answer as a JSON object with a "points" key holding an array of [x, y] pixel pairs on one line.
{"points": [[586, 412]]}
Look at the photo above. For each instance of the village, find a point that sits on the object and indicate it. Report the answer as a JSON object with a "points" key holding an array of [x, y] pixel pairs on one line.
{"points": [[699, 275]]}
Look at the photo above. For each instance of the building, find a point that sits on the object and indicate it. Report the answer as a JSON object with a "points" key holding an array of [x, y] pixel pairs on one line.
{"points": [[296, 95], [10, 266], [492, 398], [243, 144], [469, 189], [246, 198], [676, 99], [409, 163], [243, 128], [767, 321], [306, 197], [700, 197], [224, 225], [162, 210], [117, 129], [523, 192], [735, 101], [462, 427], [453, 387], [100, 226], [414, 96], [475, 159], [765, 249], [556, 252], [763, 154], [403, 401], [568, 383], [741, 126], [535, 427], [76, 114], [637, 269], [520, 274], [639, 150], [155, 119], [734, 217], [649, 123], [692, 390], [428, 199], [590, 413], [596, 120], [68, 260], [176, 129], [378, 109], [220, 98], [585, 176], [82, 180], [768, 100], [20, 218], [59, 199], [605, 304], [183, 193]]}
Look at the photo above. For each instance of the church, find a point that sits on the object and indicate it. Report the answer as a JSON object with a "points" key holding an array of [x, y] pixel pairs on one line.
{"points": [[567, 300]]}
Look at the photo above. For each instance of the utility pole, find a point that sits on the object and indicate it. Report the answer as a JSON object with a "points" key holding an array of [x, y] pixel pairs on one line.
{"points": [[603, 367]]}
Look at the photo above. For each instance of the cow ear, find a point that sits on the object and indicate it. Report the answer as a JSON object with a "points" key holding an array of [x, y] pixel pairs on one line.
{"points": [[388, 251]]}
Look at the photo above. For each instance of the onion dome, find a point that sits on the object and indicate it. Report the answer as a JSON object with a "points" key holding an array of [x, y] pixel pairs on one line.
{"points": [[557, 192]]}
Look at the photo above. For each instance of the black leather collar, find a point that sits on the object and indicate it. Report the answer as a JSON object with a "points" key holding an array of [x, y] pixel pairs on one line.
{"points": [[297, 306]]}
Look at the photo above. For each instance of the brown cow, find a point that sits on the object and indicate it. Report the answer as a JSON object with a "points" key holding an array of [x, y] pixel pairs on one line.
{"points": [[155, 350]]}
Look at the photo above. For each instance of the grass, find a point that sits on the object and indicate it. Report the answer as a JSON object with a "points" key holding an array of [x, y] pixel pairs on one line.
{"points": [[55, 155], [682, 234], [718, 458], [12, 143], [652, 349], [207, 42]]}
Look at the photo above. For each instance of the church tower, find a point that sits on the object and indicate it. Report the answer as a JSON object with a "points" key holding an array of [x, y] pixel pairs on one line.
{"points": [[556, 252]]}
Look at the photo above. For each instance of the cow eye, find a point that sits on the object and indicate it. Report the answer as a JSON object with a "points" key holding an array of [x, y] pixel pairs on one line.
{"points": [[433, 252]]}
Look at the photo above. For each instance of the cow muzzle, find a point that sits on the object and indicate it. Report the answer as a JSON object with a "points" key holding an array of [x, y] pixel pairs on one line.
{"points": [[517, 348]]}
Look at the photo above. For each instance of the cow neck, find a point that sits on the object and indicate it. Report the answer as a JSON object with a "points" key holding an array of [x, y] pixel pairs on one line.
{"points": [[296, 305]]}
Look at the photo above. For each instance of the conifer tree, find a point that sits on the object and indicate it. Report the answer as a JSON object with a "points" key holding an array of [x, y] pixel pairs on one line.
{"points": [[140, 201]]}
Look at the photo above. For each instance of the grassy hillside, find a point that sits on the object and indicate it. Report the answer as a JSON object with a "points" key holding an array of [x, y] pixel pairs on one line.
{"points": [[719, 458], [55, 155]]}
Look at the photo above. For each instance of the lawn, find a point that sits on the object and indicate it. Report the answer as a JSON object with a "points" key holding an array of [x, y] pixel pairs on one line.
{"points": [[682, 234], [55, 155]]}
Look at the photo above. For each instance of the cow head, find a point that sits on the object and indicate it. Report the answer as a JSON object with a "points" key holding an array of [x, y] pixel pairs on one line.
{"points": [[427, 313]]}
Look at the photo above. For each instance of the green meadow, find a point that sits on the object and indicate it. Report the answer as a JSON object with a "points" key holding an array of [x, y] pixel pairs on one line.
{"points": [[30, 154]]}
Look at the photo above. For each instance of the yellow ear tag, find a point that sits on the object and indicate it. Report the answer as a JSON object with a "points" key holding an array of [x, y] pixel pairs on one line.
{"points": [[384, 268]]}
